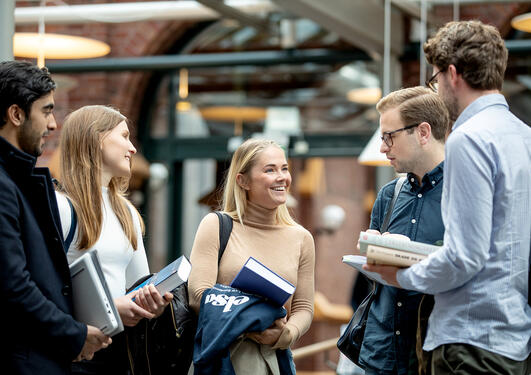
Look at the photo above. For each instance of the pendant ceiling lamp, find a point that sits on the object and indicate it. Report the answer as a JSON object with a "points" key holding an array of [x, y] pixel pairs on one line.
{"points": [[56, 46], [522, 22], [365, 95]]}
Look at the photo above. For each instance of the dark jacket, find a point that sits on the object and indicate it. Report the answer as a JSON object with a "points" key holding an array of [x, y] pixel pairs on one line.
{"points": [[39, 335], [225, 313]]}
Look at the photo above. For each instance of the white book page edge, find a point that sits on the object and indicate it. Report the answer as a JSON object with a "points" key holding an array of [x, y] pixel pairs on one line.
{"points": [[184, 269], [267, 274]]}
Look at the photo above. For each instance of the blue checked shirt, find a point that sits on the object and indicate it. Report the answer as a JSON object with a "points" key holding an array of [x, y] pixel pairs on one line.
{"points": [[480, 276], [389, 341]]}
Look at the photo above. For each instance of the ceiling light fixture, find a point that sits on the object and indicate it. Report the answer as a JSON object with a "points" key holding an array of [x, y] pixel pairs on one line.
{"points": [[522, 22], [58, 46], [55, 46], [365, 95]]}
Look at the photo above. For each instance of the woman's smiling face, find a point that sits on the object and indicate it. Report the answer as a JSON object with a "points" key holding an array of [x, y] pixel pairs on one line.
{"points": [[268, 181]]}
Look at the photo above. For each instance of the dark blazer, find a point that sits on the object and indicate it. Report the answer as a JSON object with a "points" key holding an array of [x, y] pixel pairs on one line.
{"points": [[39, 335]]}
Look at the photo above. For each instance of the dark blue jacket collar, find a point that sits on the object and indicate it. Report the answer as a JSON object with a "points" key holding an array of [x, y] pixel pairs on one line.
{"points": [[16, 162]]}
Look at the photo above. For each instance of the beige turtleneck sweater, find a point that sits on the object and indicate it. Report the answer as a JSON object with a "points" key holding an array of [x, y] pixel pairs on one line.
{"points": [[287, 250]]}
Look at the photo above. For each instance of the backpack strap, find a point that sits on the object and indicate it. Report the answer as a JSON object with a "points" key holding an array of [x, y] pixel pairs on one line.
{"points": [[225, 229], [387, 218], [383, 228], [73, 226]]}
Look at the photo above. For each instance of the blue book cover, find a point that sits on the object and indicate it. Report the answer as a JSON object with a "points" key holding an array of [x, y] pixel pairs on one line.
{"points": [[170, 277], [256, 278]]}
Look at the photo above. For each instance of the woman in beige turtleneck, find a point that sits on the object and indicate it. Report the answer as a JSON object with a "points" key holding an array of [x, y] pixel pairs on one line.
{"points": [[255, 194]]}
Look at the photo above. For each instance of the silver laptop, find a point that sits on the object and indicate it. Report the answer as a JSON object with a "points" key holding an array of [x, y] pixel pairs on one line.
{"points": [[93, 302]]}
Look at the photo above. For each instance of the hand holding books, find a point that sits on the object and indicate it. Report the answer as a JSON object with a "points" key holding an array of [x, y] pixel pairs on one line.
{"points": [[151, 300], [393, 250], [154, 293], [131, 312], [386, 253]]}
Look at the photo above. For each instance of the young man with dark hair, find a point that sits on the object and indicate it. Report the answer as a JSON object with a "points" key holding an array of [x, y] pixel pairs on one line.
{"points": [[481, 321], [414, 124], [40, 336]]}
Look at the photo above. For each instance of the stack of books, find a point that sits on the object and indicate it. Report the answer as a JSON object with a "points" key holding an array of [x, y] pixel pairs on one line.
{"points": [[391, 251]]}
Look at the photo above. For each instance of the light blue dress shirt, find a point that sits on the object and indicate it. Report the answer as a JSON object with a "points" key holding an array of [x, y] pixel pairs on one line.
{"points": [[480, 275]]}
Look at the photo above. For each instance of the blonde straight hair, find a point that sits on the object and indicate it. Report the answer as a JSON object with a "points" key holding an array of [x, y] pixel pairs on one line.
{"points": [[81, 168], [234, 196]]}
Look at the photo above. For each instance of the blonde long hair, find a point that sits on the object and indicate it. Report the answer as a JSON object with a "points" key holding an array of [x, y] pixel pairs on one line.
{"points": [[81, 169], [234, 196]]}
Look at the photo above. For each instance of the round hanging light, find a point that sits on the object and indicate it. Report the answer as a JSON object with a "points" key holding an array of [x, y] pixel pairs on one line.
{"points": [[58, 46], [522, 22], [365, 95]]}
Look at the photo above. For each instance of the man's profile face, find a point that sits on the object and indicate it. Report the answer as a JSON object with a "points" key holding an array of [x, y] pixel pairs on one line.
{"points": [[403, 153], [447, 94], [33, 131]]}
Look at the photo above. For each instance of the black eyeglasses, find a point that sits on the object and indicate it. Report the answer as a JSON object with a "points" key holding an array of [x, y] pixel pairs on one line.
{"points": [[387, 137], [433, 82]]}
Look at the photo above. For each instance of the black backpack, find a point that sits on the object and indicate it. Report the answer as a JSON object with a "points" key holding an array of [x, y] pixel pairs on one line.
{"points": [[165, 345]]}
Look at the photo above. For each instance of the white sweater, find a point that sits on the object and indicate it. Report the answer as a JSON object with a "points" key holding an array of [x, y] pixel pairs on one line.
{"points": [[121, 265]]}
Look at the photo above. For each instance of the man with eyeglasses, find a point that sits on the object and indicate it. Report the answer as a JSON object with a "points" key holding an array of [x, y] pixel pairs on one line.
{"points": [[414, 124], [481, 321]]}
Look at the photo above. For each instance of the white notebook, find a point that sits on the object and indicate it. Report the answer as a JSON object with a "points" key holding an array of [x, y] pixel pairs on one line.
{"points": [[93, 302]]}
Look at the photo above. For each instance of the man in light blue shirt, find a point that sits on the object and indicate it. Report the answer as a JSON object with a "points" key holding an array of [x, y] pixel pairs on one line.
{"points": [[481, 321]]}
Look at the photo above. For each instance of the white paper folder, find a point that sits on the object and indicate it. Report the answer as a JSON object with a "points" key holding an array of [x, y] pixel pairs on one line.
{"points": [[92, 299]]}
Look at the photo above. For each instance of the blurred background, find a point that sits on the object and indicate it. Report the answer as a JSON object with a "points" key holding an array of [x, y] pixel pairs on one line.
{"points": [[196, 78]]}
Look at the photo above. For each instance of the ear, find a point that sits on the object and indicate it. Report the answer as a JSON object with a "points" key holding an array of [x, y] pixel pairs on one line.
{"points": [[15, 115], [424, 132], [453, 75], [242, 182]]}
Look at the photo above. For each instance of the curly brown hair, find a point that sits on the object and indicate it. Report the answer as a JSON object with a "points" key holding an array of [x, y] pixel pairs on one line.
{"points": [[476, 50]]}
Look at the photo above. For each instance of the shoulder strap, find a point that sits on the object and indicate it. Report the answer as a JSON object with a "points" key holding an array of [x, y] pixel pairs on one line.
{"points": [[387, 218], [73, 225], [377, 286], [225, 229]]}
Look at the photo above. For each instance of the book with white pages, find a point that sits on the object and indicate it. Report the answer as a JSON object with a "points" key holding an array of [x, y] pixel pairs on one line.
{"points": [[254, 277], [357, 261], [391, 242], [93, 303], [386, 256], [170, 277]]}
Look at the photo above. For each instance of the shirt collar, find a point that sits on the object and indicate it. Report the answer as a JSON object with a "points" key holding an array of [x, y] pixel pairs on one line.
{"points": [[429, 180], [479, 105]]}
